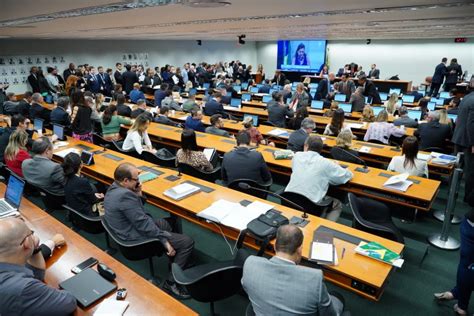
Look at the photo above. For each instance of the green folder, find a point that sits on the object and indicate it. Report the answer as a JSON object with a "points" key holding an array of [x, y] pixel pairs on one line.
{"points": [[377, 251]]}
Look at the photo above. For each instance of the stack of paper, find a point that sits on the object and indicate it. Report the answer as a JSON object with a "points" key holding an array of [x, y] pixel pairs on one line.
{"points": [[398, 182], [181, 191], [355, 125], [57, 145], [111, 307], [63, 153], [279, 133], [423, 157], [442, 159], [364, 149], [322, 249]]}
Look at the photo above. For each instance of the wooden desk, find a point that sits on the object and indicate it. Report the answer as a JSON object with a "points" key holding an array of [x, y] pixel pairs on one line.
{"points": [[420, 196], [144, 297], [382, 85], [352, 268]]}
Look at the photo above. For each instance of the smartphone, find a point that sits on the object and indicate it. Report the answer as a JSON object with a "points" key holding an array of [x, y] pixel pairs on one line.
{"points": [[84, 265]]}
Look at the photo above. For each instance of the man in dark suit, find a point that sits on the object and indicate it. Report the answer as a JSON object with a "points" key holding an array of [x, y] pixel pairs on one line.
{"points": [[162, 117], [433, 133], [279, 78], [92, 81], [369, 89], [37, 110], [33, 80], [118, 74], [278, 111], [129, 78], [59, 115], [122, 108], [71, 70], [106, 84], [265, 88], [438, 77], [298, 137], [244, 163], [214, 106], [323, 92], [346, 86], [463, 138], [141, 109], [25, 104], [374, 73], [160, 94]]}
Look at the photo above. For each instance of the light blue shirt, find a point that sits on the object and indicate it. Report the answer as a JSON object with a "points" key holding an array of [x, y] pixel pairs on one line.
{"points": [[312, 174]]}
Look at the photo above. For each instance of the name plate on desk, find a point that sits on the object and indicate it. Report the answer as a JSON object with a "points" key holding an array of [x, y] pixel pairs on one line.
{"points": [[113, 157], [363, 170], [230, 141], [166, 128], [84, 147], [370, 145], [200, 186]]}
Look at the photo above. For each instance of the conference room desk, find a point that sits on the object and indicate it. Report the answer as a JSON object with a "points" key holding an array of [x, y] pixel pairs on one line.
{"points": [[144, 297], [379, 154], [351, 272], [382, 85], [420, 195]]}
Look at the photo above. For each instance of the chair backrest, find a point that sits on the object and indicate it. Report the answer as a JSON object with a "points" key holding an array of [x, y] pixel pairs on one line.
{"points": [[435, 149], [118, 145], [210, 176], [376, 141], [268, 123], [309, 206], [160, 161], [339, 153], [86, 223], [235, 186], [98, 140], [51, 201], [135, 250]]}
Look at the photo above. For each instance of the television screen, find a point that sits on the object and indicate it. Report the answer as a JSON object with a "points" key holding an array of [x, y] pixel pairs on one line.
{"points": [[301, 55]]}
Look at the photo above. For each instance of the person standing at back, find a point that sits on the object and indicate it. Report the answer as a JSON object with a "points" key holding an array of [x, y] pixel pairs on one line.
{"points": [[129, 78], [453, 73], [438, 77]]}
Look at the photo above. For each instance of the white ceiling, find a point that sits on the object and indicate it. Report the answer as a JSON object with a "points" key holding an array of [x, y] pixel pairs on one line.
{"points": [[258, 19]]}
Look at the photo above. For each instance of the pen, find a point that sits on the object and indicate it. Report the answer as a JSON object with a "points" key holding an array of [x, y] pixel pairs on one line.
{"points": [[343, 252]]}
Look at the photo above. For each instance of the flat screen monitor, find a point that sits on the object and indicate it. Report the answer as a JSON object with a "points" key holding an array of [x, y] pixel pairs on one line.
{"points": [[399, 103], [192, 91], [275, 86], [301, 55], [266, 98], [394, 90], [254, 90], [431, 106], [38, 124], [439, 101], [244, 85], [444, 95], [347, 107], [414, 114], [422, 92], [317, 104], [259, 85], [14, 191], [271, 91], [254, 118], [235, 102], [383, 96], [340, 97], [313, 85], [368, 100], [246, 96], [58, 130], [453, 117], [408, 98], [237, 88], [229, 93], [206, 85], [377, 109], [313, 91]]}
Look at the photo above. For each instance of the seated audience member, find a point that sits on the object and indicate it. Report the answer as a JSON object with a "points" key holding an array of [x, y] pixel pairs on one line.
{"points": [[332, 108], [190, 153], [163, 118], [160, 94], [300, 98], [136, 94], [243, 162], [18, 122], [22, 273], [278, 111], [122, 108], [408, 161], [256, 137], [445, 119], [216, 126], [37, 110], [433, 133], [140, 108], [111, 123], [16, 151], [337, 124], [391, 104], [270, 283], [194, 121], [137, 136], [10, 105], [90, 102], [368, 114], [171, 101], [298, 137], [310, 165], [225, 99], [323, 92], [357, 100], [25, 104], [41, 171], [381, 130], [404, 119], [453, 107], [344, 141], [126, 215], [81, 122], [214, 105], [190, 104], [60, 115], [265, 87], [79, 193], [295, 122]]}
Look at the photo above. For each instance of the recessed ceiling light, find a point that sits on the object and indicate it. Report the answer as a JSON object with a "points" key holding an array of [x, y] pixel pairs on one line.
{"points": [[205, 3]]}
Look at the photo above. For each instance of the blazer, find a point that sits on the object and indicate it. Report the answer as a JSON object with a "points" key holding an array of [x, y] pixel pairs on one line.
{"points": [[406, 121], [24, 108], [433, 134], [374, 73], [159, 96], [124, 110], [440, 72], [279, 287], [264, 89], [244, 163], [37, 111], [279, 79], [213, 107], [322, 90], [60, 116], [371, 91], [278, 113], [194, 124], [33, 80], [358, 102], [93, 83], [303, 99], [80, 195], [347, 88], [296, 140], [129, 78], [464, 131], [67, 72], [118, 77], [163, 119], [44, 173], [452, 73]]}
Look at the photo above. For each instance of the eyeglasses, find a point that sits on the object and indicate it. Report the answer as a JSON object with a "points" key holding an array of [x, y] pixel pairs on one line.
{"points": [[134, 179], [24, 239]]}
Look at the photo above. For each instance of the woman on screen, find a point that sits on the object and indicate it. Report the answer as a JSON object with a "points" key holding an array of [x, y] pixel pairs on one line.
{"points": [[300, 58]]}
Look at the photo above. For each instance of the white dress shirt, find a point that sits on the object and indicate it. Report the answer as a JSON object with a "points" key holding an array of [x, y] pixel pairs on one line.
{"points": [[420, 168], [137, 142]]}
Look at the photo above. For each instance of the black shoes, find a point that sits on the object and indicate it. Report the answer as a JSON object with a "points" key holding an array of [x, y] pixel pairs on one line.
{"points": [[176, 290]]}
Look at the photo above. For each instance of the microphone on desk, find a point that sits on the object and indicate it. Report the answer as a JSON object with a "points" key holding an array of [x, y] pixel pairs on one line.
{"points": [[246, 186], [357, 158]]}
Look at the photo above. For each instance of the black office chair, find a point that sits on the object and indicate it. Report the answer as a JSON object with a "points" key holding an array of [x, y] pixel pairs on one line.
{"points": [[210, 176], [137, 250], [316, 209], [341, 154], [98, 140], [169, 162], [263, 195], [118, 146], [52, 201], [373, 217], [376, 141], [435, 149], [267, 123], [212, 281]]}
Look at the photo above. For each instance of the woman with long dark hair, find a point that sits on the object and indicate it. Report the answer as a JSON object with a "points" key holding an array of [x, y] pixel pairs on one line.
{"points": [[111, 123], [81, 122], [190, 153], [337, 124], [408, 161], [300, 58]]}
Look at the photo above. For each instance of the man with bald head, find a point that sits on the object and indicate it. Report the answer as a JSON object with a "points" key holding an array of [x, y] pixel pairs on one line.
{"points": [[22, 272], [126, 216], [297, 289]]}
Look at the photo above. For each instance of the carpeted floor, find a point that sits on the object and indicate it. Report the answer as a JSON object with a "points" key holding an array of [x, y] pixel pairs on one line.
{"points": [[409, 291]]}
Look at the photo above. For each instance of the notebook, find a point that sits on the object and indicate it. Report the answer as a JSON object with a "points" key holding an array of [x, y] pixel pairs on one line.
{"points": [[322, 248], [111, 307], [181, 191]]}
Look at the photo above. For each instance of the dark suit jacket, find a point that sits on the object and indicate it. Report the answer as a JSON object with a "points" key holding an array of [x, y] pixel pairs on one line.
{"points": [[453, 72], [322, 90], [124, 110], [277, 113], [371, 91], [93, 83], [374, 73], [244, 163], [24, 108], [37, 111], [67, 73], [214, 107], [464, 131], [162, 119], [138, 112], [433, 134], [440, 72], [34, 83], [129, 78], [159, 96], [264, 89], [118, 77], [60, 116], [279, 80], [80, 195], [44, 173], [296, 140]]}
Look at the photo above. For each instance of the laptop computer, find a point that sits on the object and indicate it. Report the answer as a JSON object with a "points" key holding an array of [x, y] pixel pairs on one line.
{"points": [[254, 90], [340, 97], [58, 130], [377, 109], [87, 287], [317, 104], [235, 102], [347, 107], [246, 96], [431, 106], [259, 85], [244, 85], [266, 98], [383, 96], [453, 117], [206, 85], [444, 95], [439, 101], [13, 194], [368, 100], [414, 114], [237, 88], [408, 98], [422, 92], [254, 119], [313, 85], [192, 91], [394, 90], [38, 125]]}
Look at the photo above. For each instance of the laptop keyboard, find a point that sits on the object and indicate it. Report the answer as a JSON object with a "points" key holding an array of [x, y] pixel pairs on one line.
{"points": [[4, 207]]}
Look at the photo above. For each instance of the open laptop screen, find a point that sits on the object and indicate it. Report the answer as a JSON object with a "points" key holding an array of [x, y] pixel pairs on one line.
{"points": [[340, 97], [347, 107], [38, 125], [235, 102], [254, 118], [317, 104], [408, 98], [14, 191], [266, 98], [58, 130]]}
